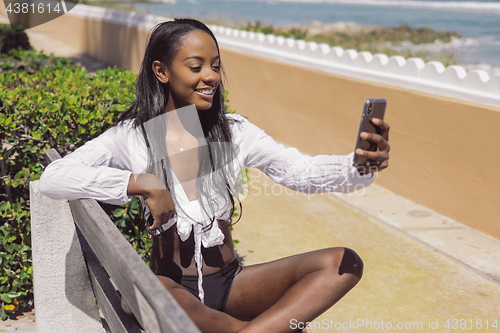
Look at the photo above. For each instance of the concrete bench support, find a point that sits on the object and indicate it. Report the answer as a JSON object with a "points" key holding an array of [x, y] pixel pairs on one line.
{"points": [[64, 299], [67, 286]]}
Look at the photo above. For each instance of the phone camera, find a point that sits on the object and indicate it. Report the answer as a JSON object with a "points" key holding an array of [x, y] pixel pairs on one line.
{"points": [[370, 107]]}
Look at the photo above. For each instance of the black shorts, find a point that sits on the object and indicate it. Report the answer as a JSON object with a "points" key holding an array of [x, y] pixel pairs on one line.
{"points": [[216, 286]]}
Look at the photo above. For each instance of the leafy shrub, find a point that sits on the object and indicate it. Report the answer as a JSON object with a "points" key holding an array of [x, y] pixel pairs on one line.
{"points": [[48, 102], [12, 37], [295, 33], [129, 218], [31, 61]]}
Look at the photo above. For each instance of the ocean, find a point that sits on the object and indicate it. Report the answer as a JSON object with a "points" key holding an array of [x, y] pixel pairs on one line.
{"points": [[477, 21]]}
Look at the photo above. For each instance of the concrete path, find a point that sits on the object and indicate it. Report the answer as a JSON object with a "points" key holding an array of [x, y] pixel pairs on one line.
{"points": [[406, 283], [26, 324], [41, 41], [423, 272]]}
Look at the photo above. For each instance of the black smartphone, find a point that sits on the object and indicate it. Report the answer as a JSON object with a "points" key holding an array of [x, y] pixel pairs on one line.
{"points": [[373, 108]]}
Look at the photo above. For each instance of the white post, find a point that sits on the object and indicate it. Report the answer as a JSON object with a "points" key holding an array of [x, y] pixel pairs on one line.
{"points": [[64, 299]]}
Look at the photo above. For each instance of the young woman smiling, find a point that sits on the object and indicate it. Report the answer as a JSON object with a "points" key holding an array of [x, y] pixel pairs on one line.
{"points": [[179, 150]]}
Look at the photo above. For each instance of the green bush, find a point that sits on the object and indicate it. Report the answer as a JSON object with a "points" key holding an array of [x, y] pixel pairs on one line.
{"points": [[48, 102], [31, 61], [295, 33], [12, 37]]}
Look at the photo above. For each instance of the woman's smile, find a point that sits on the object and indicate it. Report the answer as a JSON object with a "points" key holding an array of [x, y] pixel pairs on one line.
{"points": [[206, 93]]}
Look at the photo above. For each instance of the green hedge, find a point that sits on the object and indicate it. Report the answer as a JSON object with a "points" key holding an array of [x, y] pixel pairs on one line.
{"points": [[12, 37], [46, 102]]}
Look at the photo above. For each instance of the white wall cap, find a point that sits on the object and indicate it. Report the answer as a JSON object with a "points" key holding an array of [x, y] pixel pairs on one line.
{"points": [[312, 46], [324, 48], [300, 44], [494, 84], [432, 71], [431, 77], [453, 74], [313, 50], [280, 40], [290, 42], [413, 67], [337, 51], [349, 55], [270, 39], [364, 58], [243, 34], [379, 61], [477, 80]]}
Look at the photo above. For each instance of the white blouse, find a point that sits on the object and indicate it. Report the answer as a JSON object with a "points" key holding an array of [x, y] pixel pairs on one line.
{"points": [[101, 170]]}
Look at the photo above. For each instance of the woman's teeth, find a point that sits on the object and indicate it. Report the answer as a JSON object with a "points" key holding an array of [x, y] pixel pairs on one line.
{"points": [[207, 91]]}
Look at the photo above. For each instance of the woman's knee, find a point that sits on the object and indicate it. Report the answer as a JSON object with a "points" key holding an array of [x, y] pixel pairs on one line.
{"points": [[344, 260], [351, 263]]}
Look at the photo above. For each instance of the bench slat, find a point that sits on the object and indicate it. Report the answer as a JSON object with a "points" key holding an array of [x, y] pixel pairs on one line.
{"points": [[107, 297], [150, 302], [126, 269]]}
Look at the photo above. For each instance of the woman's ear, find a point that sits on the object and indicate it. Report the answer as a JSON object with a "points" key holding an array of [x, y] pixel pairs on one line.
{"points": [[160, 71]]}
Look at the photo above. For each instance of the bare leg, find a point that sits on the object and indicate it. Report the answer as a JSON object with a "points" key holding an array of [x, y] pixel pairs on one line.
{"points": [[300, 287]]}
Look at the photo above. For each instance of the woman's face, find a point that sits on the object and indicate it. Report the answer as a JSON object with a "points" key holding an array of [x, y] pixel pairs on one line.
{"points": [[194, 73]]}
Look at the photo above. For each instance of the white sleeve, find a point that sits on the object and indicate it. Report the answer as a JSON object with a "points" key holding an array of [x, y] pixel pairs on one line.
{"points": [[100, 170], [298, 171]]}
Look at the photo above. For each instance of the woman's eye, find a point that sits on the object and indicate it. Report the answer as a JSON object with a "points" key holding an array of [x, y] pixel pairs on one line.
{"points": [[195, 68], [216, 68]]}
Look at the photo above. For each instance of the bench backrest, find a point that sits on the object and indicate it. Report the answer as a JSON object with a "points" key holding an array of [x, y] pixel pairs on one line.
{"points": [[114, 265]]}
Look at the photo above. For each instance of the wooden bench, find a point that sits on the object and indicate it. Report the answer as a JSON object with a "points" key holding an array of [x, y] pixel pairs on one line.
{"points": [[113, 267]]}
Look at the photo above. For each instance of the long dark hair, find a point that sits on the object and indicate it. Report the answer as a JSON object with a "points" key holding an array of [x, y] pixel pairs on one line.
{"points": [[164, 42]]}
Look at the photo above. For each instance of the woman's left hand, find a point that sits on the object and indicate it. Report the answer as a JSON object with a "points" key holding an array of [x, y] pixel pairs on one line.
{"points": [[377, 160]]}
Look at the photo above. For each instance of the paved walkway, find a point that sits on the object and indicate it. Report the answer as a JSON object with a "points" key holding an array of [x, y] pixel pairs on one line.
{"points": [[48, 44], [423, 271], [406, 281]]}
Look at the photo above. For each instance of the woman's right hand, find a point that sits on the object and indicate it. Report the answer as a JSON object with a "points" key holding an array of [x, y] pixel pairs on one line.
{"points": [[156, 196], [161, 206]]}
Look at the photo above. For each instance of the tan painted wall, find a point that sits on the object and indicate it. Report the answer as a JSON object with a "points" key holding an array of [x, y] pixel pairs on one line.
{"points": [[444, 151]]}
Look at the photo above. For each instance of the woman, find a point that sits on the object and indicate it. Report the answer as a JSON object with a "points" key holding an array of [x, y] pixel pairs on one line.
{"points": [[179, 150]]}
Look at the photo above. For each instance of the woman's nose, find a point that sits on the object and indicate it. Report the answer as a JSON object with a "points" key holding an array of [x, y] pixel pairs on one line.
{"points": [[210, 75]]}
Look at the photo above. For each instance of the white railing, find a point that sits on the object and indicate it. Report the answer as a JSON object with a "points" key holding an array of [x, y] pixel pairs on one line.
{"points": [[413, 73]]}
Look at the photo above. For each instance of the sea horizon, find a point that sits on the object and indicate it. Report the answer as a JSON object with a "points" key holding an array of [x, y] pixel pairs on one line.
{"points": [[477, 21]]}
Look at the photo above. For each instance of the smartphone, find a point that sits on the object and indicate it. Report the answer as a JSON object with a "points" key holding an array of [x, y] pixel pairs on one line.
{"points": [[373, 108]]}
